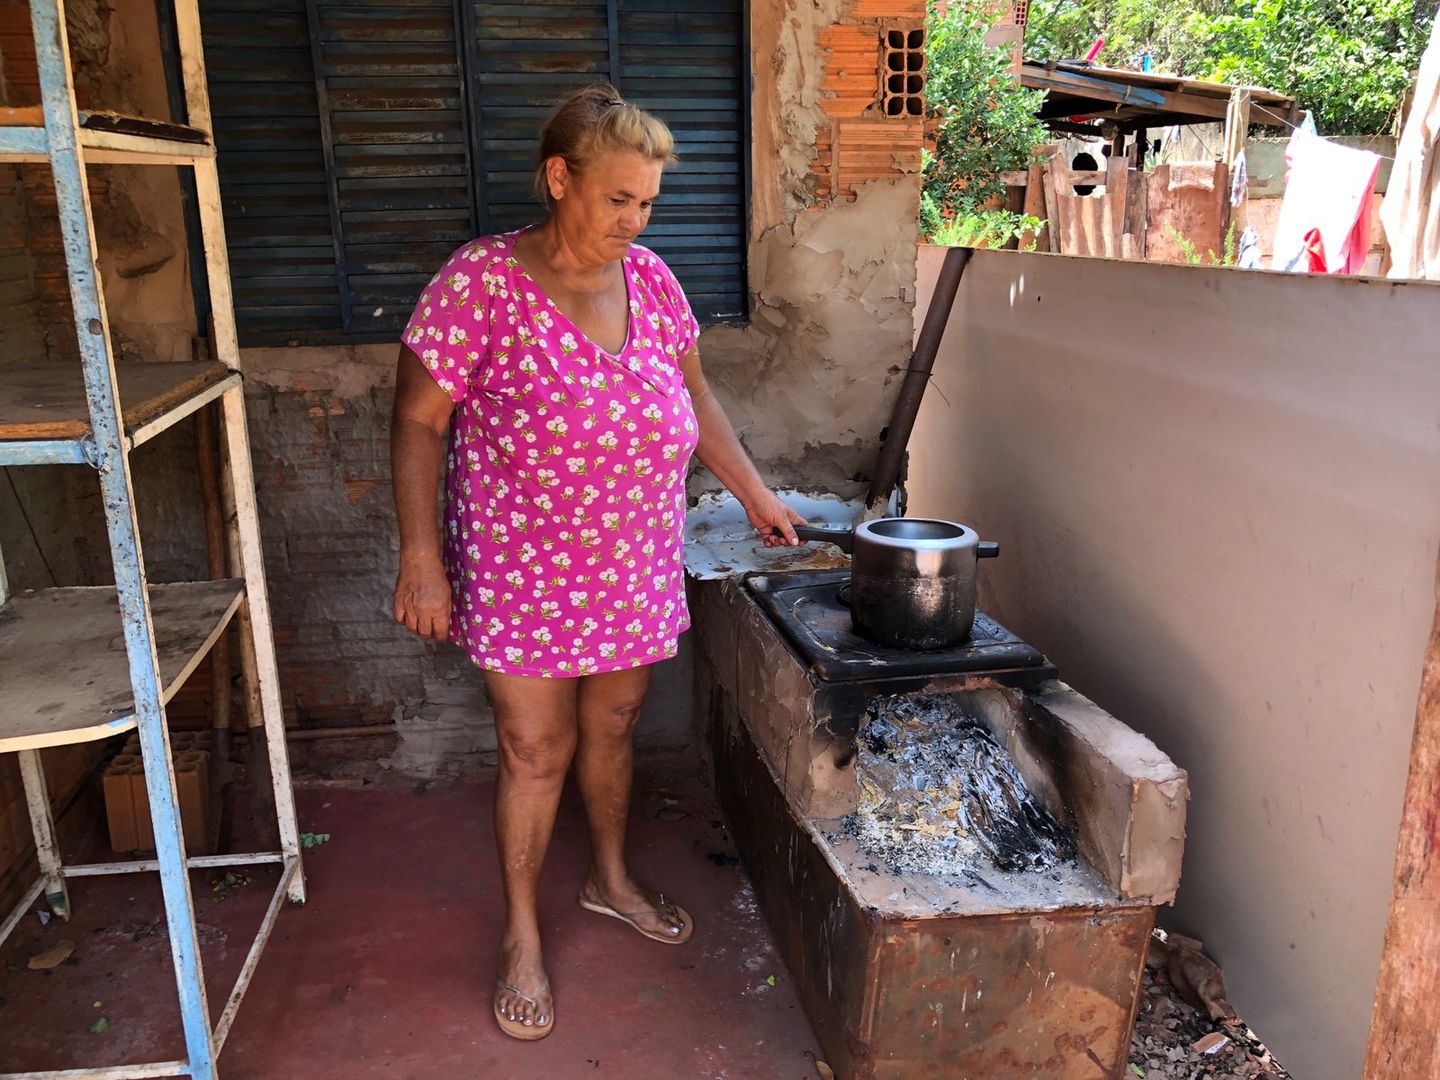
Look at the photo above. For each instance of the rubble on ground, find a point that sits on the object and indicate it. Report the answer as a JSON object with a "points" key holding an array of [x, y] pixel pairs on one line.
{"points": [[1171, 1035]]}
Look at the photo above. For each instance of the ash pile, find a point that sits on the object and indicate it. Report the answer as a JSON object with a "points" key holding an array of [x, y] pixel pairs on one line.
{"points": [[940, 795]]}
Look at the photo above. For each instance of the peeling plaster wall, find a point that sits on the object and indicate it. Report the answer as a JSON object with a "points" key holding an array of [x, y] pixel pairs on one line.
{"points": [[1222, 526], [809, 384]]}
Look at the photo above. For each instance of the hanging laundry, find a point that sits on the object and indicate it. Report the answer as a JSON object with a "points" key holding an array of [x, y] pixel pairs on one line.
{"points": [[1239, 180], [1324, 224], [1248, 254], [1410, 213]]}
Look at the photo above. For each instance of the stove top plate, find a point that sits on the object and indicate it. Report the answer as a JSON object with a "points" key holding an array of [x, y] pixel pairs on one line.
{"points": [[807, 609]]}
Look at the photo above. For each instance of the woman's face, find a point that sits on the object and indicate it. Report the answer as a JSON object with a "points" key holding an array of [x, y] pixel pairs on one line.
{"points": [[603, 209]]}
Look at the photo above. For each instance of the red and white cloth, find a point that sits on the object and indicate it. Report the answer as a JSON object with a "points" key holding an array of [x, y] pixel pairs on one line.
{"points": [[1324, 224]]}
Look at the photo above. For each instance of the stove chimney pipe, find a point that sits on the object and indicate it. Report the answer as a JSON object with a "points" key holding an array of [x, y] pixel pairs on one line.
{"points": [[917, 376]]}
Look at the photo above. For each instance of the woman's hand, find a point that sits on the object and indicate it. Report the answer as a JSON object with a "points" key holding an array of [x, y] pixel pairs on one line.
{"points": [[775, 521], [422, 597]]}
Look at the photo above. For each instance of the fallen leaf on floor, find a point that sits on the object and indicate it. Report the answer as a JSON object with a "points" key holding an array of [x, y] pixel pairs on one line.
{"points": [[100, 1026], [52, 957], [221, 885], [1137, 1070], [769, 980], [314, 839], [825, 1071]]}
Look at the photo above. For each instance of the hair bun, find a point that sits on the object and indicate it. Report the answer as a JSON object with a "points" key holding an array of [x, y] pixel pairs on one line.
{"points": [[596, 120]]}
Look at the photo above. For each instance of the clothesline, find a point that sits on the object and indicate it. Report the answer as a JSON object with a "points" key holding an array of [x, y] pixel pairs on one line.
{"points": [[1296, 127], [1293, 127]]}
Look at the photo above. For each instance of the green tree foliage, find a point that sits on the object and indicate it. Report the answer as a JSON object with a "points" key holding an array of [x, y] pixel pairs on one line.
{"points": [[986, 120], [1350, 61]]}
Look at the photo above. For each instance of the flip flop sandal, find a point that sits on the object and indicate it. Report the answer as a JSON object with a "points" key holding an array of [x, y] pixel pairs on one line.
{"points": [[518, 1029], [683, 931]]}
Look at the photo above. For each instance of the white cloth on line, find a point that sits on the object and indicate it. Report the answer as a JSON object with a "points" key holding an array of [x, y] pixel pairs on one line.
{"points": [[1410, 213], [1248, 257], [1324, 221]]}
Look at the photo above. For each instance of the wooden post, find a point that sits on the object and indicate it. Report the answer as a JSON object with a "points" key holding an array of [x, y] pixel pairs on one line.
{"points": [[1117, 184], [207, 462], [1035, 207], [1237, 124], [1403, 1028], [1133, 245], [1052, 202]]}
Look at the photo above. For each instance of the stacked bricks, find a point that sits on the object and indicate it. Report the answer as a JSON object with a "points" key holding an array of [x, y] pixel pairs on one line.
{"points": [[874, 130], [127, 804]]}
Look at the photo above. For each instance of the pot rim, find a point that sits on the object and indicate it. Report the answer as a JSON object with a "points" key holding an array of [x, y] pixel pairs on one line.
{"points": [[963, 536]]}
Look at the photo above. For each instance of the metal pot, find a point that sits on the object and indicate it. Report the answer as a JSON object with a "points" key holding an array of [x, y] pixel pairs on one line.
{"points": [[912, 579]]}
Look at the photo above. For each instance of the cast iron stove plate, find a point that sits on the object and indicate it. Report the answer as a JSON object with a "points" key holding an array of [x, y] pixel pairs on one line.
{"points": [[806, 606]]}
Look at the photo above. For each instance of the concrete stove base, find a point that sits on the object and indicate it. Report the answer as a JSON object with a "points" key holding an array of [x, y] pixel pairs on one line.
{"points": [[898, 988]]}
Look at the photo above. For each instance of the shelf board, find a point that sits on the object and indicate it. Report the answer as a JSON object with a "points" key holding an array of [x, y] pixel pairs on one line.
{"points": [[43, 406], [64, 677], [105, 139]]}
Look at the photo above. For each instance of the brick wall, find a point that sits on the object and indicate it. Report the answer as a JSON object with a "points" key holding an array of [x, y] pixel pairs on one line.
{"points": [[861, 142], [322, 477]]}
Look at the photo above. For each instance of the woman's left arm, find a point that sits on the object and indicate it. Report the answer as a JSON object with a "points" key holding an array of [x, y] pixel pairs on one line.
{"points": [[720, 451]]}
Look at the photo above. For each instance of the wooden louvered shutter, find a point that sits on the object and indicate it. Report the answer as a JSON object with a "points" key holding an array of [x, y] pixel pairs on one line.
{"points": [[272, 171], [523, 57], [684, 61], [392, 114], [361, 141]]}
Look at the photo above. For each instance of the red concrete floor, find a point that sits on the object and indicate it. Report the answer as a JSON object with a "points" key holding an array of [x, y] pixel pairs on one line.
{"points": [[387, 971]]}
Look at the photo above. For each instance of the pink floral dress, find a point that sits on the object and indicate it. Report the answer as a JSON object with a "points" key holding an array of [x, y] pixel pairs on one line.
{"points": [[565, 488]]}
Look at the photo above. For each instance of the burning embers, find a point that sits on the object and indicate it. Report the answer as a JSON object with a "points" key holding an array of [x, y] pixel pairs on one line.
{"points": [[939, 795]]}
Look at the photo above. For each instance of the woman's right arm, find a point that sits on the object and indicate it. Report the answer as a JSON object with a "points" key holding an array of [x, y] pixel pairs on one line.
{"points": [[417, 461]]}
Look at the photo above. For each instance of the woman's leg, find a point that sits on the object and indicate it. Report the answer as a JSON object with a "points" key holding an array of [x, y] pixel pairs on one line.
{"points": [[535, 721], [609, 706]]}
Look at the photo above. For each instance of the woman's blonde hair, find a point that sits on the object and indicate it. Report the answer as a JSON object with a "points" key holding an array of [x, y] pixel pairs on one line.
{"points": [[595, 120]]}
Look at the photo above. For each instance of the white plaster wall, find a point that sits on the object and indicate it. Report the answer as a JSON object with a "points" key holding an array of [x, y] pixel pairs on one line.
{"points": [[1218, 499]]}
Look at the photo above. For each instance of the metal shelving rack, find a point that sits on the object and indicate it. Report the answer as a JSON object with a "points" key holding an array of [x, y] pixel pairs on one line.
{"points": [[65, 678]]}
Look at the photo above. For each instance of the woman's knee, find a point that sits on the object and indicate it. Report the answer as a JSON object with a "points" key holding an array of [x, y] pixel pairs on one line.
{"points": [[614, 721], [536, 757]]}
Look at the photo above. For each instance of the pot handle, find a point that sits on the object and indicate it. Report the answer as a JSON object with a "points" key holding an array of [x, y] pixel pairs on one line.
{"points": [[987, 549], [841, 538]]}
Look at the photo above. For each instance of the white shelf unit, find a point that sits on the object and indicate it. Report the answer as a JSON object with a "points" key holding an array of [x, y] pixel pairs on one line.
{"points": [[86, 663]]}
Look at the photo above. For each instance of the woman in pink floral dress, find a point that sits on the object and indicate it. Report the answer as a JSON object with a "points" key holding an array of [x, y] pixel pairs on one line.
{"points": [[563, 361]]}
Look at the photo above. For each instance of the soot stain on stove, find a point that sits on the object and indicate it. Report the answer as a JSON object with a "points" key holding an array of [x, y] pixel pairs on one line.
{"points": [[940, 795]]}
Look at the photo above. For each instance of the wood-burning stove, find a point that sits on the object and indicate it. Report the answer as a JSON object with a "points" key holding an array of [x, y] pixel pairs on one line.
{"points": [[909, 975]]}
